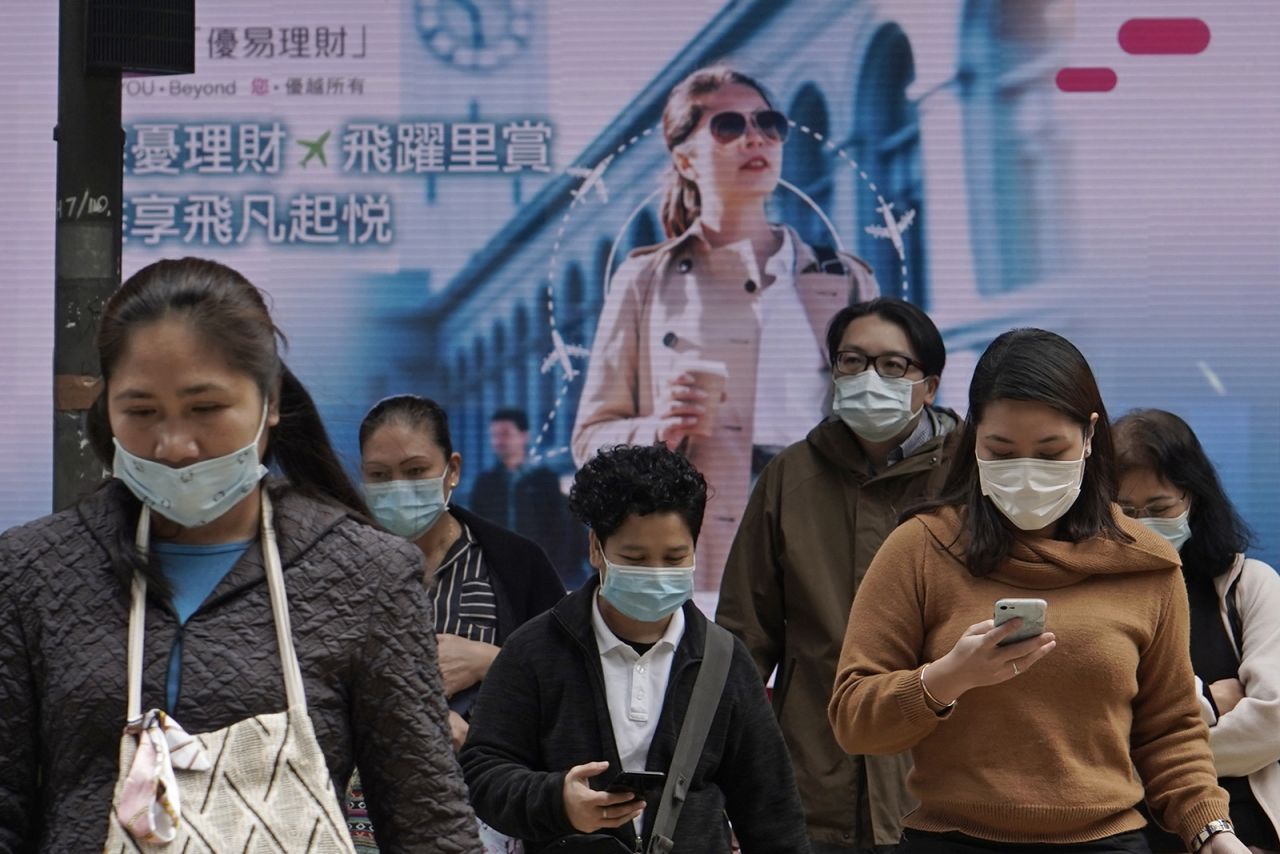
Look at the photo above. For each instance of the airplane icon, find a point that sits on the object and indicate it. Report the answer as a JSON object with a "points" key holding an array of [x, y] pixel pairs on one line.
{"points": [[892, 228], [560, 355], [592, 178], [315, 148]]}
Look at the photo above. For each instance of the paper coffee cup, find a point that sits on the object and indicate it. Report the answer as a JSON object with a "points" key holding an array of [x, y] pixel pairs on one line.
{"points": [[709, 376]]}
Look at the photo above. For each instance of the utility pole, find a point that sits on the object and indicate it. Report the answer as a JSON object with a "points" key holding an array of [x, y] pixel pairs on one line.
{"points": [[90, 190], [98, 40]]}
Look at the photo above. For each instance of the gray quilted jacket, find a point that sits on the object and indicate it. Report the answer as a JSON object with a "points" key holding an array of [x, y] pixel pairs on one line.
{"points": [[362, 625]]}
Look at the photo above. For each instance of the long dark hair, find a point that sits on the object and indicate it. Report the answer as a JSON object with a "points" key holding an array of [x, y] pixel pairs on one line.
{"points": [[1041, 367], [229, 315], [1164, 443], [682, 203], [420, 413]]}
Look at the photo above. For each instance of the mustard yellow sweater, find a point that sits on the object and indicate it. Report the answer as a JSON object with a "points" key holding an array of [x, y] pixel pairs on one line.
{"points": [[1060, 753]]}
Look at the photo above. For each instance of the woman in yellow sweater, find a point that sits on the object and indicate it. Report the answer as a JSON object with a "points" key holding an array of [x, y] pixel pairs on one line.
{"points": [[1045, 744]]}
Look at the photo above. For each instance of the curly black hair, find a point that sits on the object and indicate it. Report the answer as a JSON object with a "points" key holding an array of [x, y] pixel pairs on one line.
{"points": [[636, 480]]}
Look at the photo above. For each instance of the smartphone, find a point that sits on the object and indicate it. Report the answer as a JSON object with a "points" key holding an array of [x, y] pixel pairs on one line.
{"points": [[645, 785], [1032, 612]]}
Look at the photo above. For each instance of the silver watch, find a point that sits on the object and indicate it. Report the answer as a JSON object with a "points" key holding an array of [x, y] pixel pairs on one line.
{"points": [[1213, 828]]}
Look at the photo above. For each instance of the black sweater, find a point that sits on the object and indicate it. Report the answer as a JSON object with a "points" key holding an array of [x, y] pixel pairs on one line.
{"points": [[542, 710]]}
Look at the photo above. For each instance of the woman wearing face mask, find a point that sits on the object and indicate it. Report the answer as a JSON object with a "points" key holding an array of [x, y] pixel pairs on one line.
{"points": [[186, 595], [712, 342], [1031, 746], [485, 581], [601, 684], [786, 593], [1168, 484]]}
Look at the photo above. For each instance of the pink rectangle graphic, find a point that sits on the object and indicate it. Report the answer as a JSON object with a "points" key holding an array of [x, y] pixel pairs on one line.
{"points": [[1164, 35], [1086, 79]]}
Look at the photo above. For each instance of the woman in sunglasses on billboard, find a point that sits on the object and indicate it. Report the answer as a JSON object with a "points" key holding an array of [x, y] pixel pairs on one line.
{"points": [[712, 341]]}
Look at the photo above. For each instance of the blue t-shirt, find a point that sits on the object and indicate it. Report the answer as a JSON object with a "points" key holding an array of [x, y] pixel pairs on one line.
{"points": [[192, 571]]}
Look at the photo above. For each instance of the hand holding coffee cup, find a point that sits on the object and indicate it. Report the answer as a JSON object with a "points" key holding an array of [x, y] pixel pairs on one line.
{"points": [[692, 400]]}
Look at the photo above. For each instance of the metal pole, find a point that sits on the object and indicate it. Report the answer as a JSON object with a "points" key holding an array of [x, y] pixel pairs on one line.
{"points": [[90, 188]]}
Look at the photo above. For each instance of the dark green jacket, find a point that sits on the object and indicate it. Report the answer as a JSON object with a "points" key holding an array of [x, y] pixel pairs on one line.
{"points": [[816, 517]]}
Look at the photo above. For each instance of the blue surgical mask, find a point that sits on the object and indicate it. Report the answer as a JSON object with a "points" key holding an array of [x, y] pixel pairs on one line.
{"points": [[647, 593], [197, 494], [407, 507], [1176, 530]]}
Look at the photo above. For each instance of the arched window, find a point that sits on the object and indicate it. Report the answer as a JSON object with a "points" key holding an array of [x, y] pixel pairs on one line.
{"points": [[521, 360], [887, 142], [1013, 155], [806, 164], [573, 329]]}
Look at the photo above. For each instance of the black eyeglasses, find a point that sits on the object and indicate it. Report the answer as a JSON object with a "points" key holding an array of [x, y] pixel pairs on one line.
{"points": [[891, 366], [729, 125]]}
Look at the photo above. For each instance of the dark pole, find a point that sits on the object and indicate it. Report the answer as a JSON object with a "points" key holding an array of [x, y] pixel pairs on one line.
{"points": [[90, 187]]}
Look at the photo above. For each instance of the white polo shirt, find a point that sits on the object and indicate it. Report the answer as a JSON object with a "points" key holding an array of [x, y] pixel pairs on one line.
{"points": [[635, 685]]}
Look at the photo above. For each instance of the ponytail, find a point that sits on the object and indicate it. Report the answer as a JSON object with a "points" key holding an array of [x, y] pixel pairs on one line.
{"points": [[681, 205], [300, 446]]}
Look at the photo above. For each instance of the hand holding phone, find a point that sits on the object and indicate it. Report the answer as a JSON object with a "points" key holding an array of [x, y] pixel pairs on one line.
{"points": [[988, 654]]}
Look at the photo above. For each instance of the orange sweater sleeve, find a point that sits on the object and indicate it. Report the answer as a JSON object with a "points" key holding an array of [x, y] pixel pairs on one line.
{"points": [[1169, 741], [878, 704]]}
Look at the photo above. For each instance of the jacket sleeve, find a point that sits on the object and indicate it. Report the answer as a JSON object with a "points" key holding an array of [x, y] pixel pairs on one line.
{"points": [[752, 603], [755, 772], [412, 782], [18, 731], [1247, 738], [613, 409], [501, 757], [878, 704], [1169, 742]]}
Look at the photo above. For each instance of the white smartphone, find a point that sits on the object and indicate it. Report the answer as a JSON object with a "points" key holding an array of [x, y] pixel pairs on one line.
{"points": [[1032, 612]]}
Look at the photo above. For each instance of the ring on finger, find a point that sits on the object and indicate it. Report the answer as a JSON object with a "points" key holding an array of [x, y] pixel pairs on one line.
{"points": [[604, 811], [1016, 671]]}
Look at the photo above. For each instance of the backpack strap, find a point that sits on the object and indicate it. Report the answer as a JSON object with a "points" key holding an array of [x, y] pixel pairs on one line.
{"points": [[707, 689]]}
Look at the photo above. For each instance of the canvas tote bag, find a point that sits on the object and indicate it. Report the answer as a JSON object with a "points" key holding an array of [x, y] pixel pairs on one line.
{"points": [[259, 785]]}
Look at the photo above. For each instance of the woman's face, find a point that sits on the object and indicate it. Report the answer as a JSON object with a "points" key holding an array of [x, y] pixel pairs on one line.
{"points": [[743, 170], [1144, 493], [174, 400], [1019, 429], [401, 451]]}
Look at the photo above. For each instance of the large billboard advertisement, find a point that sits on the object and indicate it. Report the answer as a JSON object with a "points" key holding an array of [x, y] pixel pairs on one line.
{"points": [[471, 201]]}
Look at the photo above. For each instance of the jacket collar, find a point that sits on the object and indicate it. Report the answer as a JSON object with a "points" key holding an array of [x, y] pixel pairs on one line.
{"points": [[806, 258], [835, 442]]}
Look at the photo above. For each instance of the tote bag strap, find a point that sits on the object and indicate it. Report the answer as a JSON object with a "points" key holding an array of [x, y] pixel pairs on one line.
{"points": [[293, 689]]}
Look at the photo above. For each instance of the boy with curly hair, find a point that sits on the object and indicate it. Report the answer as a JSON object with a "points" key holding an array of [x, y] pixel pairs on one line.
{"points": [[600, 685]]}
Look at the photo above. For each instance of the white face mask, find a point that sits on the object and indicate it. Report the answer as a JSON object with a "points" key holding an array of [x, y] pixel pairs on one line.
{"points": [[197, 494], [875, 408], [408, 507], [1032, 493], [1176, 530]]}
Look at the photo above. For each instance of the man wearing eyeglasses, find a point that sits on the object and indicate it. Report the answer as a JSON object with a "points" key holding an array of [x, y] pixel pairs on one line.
{"points": [[815, 519]]}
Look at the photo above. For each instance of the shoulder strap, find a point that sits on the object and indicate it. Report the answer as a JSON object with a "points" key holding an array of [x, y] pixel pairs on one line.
{"points": [[1233, 617], [707, 689]]}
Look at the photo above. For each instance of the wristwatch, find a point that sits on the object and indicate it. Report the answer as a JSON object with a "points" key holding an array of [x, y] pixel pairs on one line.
{"points": [[1213, 828]]}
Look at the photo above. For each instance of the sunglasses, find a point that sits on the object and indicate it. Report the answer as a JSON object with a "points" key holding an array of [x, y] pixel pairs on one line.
{"points": [[728, 126]]}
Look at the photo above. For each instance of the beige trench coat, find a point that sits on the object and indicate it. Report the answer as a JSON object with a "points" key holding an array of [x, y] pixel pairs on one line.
{"points": [[682, 299]]}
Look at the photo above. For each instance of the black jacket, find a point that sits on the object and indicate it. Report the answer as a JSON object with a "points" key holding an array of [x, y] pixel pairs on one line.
{"points": [[542, 710], [362, 626], [524, 582]]}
